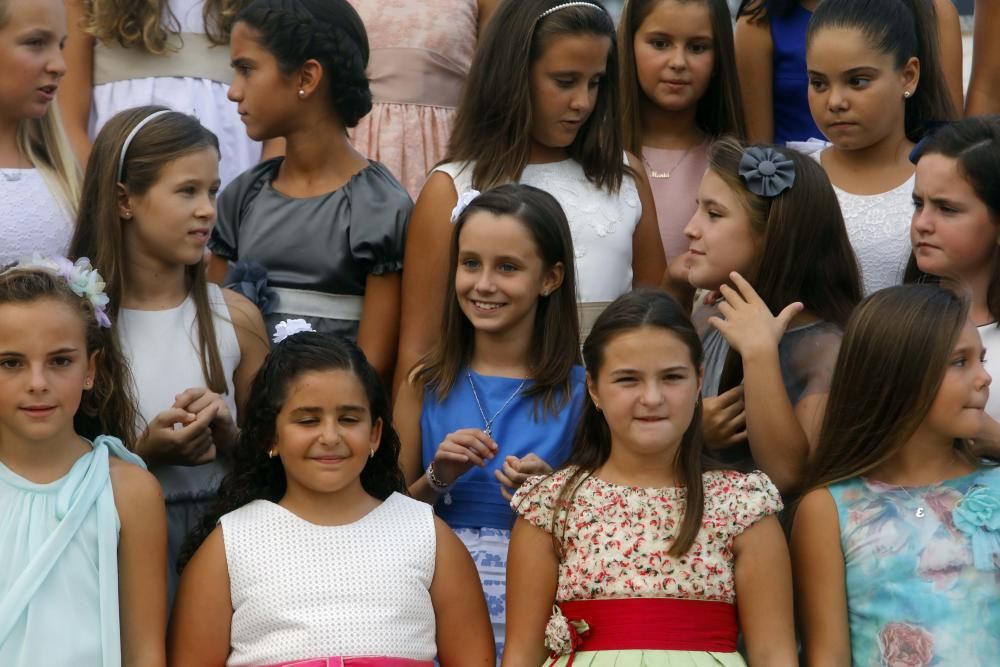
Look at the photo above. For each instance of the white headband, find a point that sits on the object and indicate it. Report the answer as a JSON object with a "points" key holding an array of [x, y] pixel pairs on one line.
{"points": [[565, 5], [131, 136]]}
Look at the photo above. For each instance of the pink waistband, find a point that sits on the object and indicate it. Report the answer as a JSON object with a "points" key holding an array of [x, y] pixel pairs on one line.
{"points": [[364, 661]]}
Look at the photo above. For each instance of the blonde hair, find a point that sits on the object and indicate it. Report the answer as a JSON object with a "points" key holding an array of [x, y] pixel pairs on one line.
{"points": [[150, 24]]}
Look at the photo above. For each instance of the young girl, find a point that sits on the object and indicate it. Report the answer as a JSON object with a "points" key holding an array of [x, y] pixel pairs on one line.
{"points": [[649, 556], [499, 396], [788, 289], [319, 557], [148, 209], [82, 534], [325, 222], [39, 179], [540, 108], [127, 54], [874, 83], [680, 91], [896, 554]]}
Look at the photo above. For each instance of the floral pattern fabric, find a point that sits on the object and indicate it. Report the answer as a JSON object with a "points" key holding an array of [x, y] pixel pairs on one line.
{"points": [[922, 570]]}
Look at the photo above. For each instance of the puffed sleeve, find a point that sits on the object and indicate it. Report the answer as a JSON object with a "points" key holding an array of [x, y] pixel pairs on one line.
{"points": [[536, 499], [380, 212], [739, 500], [809, 359], [233, 203]]}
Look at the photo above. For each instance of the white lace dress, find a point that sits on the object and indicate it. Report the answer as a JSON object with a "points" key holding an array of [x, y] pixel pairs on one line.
{"points": [[32, 219]]}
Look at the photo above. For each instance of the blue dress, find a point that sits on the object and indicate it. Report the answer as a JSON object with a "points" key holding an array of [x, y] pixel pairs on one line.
{"points": [[792, 118], [59, 579], [922, 570]]}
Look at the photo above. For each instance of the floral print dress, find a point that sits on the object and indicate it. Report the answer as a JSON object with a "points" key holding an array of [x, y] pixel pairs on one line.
{"points": [[922, 570], [615, 542]]}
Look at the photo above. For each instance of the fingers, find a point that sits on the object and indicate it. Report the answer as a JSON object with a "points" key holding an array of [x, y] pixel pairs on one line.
{"points": [[730, 396], [203, 401], [790, 311], [207, 456], [171, 416], [746, 290], [184, 399]]}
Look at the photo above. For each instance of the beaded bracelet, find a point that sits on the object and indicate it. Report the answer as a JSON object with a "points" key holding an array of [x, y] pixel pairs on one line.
{"points": [[437, 485]]}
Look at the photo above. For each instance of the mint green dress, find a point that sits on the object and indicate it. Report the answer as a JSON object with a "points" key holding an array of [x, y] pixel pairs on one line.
{"points": [[59, 573]]}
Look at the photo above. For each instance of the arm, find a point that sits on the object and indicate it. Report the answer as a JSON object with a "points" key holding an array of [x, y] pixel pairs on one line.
{"points": [[532, 578], [406, 418], [949, 32], [203, 611], [648, 262], [820, 593], [76, 88], [142, 565], [252, 338], [984, 91], [755, 66], [486, 9], [764, 594], [378, 333], [464, 633]]}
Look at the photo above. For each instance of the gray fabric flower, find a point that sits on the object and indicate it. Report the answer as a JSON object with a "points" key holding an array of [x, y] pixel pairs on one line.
{"points": [[767, 172], [249, 278]]}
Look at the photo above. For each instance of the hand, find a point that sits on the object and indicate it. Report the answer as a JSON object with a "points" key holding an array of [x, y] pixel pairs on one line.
{"points": [[724, 419], [515, 471], [199, 399], [747, 323], [191, 444], [461, 450]]}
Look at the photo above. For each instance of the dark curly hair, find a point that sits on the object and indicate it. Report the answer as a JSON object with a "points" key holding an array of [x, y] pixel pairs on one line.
{"points": [[254, 475], [329, 31]]}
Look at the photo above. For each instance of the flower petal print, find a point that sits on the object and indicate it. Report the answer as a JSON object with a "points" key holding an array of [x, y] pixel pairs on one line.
{"points": [[905, 645], [978, 516]]}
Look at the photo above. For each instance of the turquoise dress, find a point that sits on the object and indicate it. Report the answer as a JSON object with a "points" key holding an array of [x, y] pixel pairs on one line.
{"points": [[922, 570], [59, 578]]}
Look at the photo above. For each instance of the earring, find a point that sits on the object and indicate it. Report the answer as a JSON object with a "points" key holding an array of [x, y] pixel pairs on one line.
{"points": [[906, 94], [371, 453], [128, 215], [88, 383], [271, 453], [302, 93], [546, 292]]}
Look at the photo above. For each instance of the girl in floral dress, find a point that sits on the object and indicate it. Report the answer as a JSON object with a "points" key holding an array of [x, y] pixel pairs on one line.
{"points": [[637, 551], [897, 546]]}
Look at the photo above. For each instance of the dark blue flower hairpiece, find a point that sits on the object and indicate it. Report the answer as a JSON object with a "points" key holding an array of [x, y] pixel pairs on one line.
{"points": [[766, 172]]}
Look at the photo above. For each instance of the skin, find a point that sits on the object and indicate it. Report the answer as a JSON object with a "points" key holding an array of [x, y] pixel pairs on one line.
{"points": [[983, 97], [928, 457], [324, 436], [44, 370], [31, 43], [498, 282], [564, 83], [647, 389]]}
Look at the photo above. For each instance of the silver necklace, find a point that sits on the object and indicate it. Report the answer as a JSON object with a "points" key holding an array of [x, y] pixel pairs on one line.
{"points": [[666, 174], [920, 510], [488, 423]]}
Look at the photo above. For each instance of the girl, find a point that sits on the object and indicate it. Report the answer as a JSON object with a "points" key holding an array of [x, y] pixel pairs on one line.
{"points": [[149, 206], [679, 89], [499, 396], [874, 83], [766, 382], [127, 54], [325, 222], [539, 108], [771, 54], [317, 490], [650, 556], [82, 534], [39, 179], [895, 553]]}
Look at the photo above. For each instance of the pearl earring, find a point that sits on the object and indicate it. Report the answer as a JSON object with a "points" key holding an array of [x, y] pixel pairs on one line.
{"points": [[271, 453], [907, 94], [371, 453], [302, 93]]}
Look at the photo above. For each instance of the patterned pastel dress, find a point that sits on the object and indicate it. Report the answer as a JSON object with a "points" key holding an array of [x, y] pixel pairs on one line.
{"points": [[922, 570], [615, 542]]}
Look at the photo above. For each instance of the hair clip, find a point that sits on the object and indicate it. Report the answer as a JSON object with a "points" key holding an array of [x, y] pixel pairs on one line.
{"points": [[463, 201], [83, 279], [287, 328], [766, 172]]}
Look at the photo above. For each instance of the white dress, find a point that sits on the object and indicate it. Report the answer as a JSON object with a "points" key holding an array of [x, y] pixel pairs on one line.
{"points": [[302, 591], [602, 223], [990, 335], [32, 218], [200, 97]]}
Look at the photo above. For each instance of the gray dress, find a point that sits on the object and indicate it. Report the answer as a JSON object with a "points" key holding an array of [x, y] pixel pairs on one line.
{"points": [[316, 250]]}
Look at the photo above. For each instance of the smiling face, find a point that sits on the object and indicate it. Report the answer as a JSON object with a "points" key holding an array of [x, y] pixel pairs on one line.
{"points": [[44, 370], [721, 237], [856, 93], [31, 59], [266, 99], [958, 410]]}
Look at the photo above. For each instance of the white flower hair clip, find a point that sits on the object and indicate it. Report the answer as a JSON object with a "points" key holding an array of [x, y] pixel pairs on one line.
{"points": [[85, 281], [463, 201], [287, 328]]}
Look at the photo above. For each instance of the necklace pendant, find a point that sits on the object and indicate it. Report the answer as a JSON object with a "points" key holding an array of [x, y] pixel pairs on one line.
{"points": [[919, 513], [488, 431], [659, 174]]}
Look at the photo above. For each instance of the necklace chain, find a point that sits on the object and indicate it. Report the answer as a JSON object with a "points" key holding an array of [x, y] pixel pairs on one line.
{"points": [[488, 423], [920, 509], [666, 174]]}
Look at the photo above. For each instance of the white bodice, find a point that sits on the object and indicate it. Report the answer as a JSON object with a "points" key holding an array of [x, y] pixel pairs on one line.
{"points": [[601, 223], [302, 591], [32, 218]]}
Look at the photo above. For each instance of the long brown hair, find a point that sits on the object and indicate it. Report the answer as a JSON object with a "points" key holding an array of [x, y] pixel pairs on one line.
{"points": [[493, 122], [99, 233], [150, 24], [720, 110], [555, 338]]}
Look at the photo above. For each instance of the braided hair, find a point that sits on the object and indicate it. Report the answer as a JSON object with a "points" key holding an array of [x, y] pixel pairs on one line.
{"points": [[329, 31]]}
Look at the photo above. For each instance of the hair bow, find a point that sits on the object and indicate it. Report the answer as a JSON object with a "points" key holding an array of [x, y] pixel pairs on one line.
{"points": [[767, 172], [287, 328], [463, 201]]}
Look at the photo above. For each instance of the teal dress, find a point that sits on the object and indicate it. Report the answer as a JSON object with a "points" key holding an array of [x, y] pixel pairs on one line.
{"points": [[922, 570], [59, 573]]}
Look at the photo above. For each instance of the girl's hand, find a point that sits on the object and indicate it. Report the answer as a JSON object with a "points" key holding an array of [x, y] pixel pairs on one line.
{"points": [[199, 399], [516, 471], [747, 323], [724, 419], [191, 444], [460, 451]]}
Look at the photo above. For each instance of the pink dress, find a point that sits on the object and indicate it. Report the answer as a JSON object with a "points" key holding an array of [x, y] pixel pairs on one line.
{"points": [[421, 51]]}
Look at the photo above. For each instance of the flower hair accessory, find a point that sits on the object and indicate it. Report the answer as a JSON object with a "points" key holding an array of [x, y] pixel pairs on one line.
{"points": [[767, 172], [287, 328], [463, 201], [82, 278]]}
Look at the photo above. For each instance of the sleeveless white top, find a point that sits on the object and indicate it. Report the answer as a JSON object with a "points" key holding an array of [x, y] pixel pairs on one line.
{"points": [[302, 591], [32, 218], [990, 335], [601, 223]]}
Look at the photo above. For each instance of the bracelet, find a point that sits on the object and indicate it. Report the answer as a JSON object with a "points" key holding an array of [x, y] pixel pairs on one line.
{"points": [[435, 482]]}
